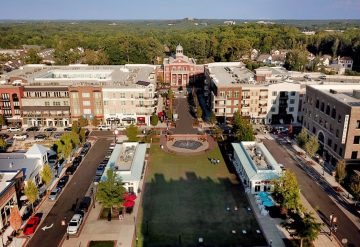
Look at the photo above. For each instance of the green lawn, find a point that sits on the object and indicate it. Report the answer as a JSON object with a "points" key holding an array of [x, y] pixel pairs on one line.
{"points": [[186, 197]]}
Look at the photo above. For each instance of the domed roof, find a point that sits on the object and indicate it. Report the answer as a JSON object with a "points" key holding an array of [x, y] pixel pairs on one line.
{"points": [[179, 47]]}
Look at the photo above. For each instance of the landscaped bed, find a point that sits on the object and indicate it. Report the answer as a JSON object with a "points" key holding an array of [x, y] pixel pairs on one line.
{"points": [[101, 244], [186, 197]]}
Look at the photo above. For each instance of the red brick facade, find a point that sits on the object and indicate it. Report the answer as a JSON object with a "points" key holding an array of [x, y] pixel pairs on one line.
{"points": [[10, 105]]}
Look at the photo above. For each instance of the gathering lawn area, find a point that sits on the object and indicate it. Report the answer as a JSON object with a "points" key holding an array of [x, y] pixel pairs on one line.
{"points": [[186, 198]]}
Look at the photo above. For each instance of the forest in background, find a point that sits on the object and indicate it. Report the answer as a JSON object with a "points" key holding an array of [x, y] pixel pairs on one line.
{"points": [[120, 42]]}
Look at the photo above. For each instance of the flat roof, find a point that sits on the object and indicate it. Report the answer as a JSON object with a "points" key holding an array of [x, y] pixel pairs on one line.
{"points": [[230, 74], [6, 179], [257, 161], [348, 94], [127, 159]]}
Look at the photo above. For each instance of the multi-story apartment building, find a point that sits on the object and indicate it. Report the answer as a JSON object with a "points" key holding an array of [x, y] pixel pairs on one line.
{"points": [[332, 113], [180, 70], [10, 103], [231, 87], [46, 106], [58, 95]]}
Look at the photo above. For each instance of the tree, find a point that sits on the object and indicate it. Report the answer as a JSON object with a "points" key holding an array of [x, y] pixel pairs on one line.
{"points": [[66, 144], [213, 118], [199, 111], [242, 128], [2, 120], [75, 127], [3, 144], [131, 133], [15, 218], [302, 138], [82, 136], [32, 57], [83, 122], [287, 192], [312, 146], [340, 171], [46, 175], [95, 121], [304, 227], [296, 60], [110, 193], [31, 192], [355, 186], [154, 120]]}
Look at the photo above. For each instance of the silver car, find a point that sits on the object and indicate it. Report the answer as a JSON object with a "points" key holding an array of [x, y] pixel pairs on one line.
{"points": [[54, 194]]}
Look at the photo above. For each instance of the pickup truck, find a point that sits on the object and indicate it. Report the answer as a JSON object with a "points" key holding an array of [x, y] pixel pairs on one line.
{"points": [[20, 137]]}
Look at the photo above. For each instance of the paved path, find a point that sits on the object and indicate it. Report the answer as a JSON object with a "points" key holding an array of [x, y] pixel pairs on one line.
{"points": [[317, 193], [76, 188], [185, 120]]}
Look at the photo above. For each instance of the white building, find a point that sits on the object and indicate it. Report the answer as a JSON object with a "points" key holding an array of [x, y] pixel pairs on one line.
{"points": [[128, 161], [255, 166]]}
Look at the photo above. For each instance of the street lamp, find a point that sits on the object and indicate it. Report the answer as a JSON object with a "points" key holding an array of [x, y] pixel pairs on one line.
{"points": [[333, 225], [94, 193], [116, 132]]}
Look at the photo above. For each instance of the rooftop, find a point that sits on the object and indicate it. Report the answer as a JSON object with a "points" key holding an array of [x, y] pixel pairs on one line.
{"points": [[257, 161], [6, 179], [230, 74], [127, 159], [348, 94]]}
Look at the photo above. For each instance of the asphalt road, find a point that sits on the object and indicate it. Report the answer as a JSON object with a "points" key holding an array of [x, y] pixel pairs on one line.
{"points": [[185, 120], [76, 188], [317, 192]]}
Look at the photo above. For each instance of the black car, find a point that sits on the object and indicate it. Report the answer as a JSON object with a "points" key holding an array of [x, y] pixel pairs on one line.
{"points": [[70, 170], [57, 135], [33, 128], [76, 162], [63, 181], [50, 129], [87, 145], [40, 137], [4, 136], [85, 204], [67, 129]]}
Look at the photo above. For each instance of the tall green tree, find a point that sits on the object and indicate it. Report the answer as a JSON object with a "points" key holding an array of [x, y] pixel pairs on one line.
{"points": [[355, 187], [287, 192], [2, 120], [154, 120], [296, 60], [304, 227], [83, 122], [67, 142], [312, 146], [242, 128], [32, 57], [340, 171], [302, 138], [95, 121], [199, 112], [132, 132], [110, 193], [82, 136], [75, 127], [31, 191], [213, 118], [46, 175]]}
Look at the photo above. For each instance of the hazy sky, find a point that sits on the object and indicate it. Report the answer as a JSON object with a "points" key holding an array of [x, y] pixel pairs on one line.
{"points": [[177, 9]]}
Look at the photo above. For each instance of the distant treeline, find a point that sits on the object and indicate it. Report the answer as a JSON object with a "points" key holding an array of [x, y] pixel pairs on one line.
{"points": [[147, 42]]}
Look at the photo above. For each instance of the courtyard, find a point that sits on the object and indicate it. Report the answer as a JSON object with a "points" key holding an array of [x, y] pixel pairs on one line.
{"points": [[188, 197]]}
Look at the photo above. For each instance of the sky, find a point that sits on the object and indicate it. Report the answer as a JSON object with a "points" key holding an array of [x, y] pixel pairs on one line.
{"points": [[178, 9]]}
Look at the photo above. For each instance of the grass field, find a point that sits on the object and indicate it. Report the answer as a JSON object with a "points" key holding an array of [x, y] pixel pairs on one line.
{"points": [[186, 198]]}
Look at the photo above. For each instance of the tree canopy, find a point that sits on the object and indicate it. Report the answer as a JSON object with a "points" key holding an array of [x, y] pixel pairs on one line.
{"points": [[340, 171], [312, 146], [31, 191], [46, 175], [132, 132], [242, 128]]}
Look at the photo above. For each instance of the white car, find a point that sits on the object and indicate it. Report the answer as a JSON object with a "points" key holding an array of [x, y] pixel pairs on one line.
{"points": [[20, 137], [74, 224], [54, 194], [104, 127], [13, 129]]}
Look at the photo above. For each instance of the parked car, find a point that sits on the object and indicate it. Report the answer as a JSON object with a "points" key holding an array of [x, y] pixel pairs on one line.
{"points": [[87, 145], [54, 194], [14, 129], [70, 170], [74, 224], [104, 127], [83, 152], [121, 128], [100, 170], [50, 129], [97, 179], [40, 137], [63, 181], [31, 225], [85, 203], [76, 162], [68, 129], [20, 137], [4, 136], [57, 135], [33, 128], [10, 141]]}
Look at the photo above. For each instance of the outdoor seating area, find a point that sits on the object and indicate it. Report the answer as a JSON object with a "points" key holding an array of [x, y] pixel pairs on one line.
{"points": [[264, 201]]}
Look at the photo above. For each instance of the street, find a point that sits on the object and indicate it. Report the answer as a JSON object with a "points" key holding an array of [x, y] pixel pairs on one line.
{"points": [[185, 121], [76, 188], [317, 192]]}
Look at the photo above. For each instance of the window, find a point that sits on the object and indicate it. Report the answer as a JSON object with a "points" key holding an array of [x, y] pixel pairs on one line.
{"points": [[86, 103], [354, 155], [122, 95], [47, 103], [228, 94], [56, 103], [272, 109], [314, 130], [273, 101], [356, 139], [86, 95], [236, 94], [327, 110], [293, 93], [274, 93], [122, 102], [74, 95], [333, 113], [340, 151], [337, 133], [257, 188], [339, 119], [291, 109], [66, 103], [335, 147], [329, 142], [358, 124], [5, 96], [87, 111], [317, 103], [292, 101]]}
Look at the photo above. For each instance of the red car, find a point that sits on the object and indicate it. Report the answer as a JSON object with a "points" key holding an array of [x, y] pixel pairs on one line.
{"points": [[31, 225]]}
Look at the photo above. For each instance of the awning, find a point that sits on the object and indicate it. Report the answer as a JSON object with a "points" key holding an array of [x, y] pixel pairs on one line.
{"points": [[131, 197], [141, 119], [129, 204], [128, 119]]}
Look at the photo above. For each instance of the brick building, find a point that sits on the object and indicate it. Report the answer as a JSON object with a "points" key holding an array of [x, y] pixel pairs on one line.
{"points": [[332, 114], [11, 103]]}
